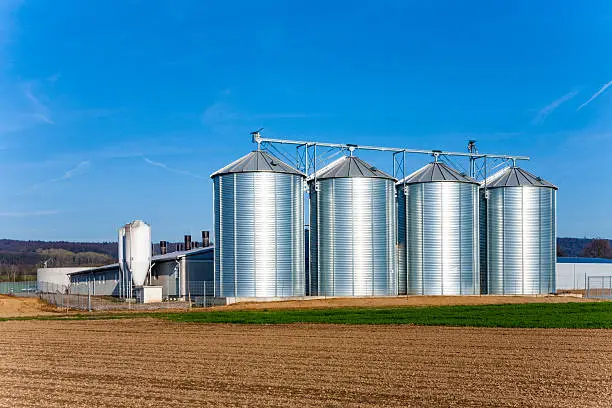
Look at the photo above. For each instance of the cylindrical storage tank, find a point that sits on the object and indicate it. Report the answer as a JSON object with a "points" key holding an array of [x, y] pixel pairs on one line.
{"points": [[259, 228], [352, 231], [137, 251], [438, 227], [521, 233]]}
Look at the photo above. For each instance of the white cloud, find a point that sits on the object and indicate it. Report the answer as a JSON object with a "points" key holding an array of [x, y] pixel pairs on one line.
{"points": [[28, 213], [592, 98], [79, 169], [543, 113], [41, 110], [171, 169]]}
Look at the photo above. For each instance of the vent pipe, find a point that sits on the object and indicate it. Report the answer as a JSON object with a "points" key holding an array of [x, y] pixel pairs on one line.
{"points": [[205, 239], [163, 247], [187, 242]]}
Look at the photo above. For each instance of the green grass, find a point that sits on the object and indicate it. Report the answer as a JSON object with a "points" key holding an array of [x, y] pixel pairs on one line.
{"points": [[533, 315], [543, 315]]}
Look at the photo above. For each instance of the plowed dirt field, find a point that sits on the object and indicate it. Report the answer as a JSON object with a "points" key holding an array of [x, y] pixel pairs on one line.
{"points": [[151, 362], [12, 306]]}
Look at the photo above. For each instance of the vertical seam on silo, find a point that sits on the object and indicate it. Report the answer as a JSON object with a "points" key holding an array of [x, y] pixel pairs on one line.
{"points": [[318, 261], [540, 240], [487, 243], [234, 234], [503, 251], [441, 240], [372, 245], [254, 228], [332, 237], [276, 245], [460, 242], [475, 241], [352, 184], [522, 238], [217, 219], [422, 187]]}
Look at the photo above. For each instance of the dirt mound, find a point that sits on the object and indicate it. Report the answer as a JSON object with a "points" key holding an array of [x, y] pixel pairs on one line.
{"points": [[400, 301], [13, 306]]}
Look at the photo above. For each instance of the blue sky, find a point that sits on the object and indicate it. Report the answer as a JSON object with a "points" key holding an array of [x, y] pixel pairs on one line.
{"points": [[119, 110]]}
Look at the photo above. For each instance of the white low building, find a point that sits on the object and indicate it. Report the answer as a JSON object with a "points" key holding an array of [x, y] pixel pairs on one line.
{"points": [[573, 273], [56, 276]]}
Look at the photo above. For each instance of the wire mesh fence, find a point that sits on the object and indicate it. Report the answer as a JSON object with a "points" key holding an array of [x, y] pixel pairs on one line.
{"points": [[82, 296], [24, 288], [599, 287]]}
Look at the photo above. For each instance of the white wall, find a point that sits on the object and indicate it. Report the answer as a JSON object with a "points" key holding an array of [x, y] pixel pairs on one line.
{"points": [[572, 275], [57, 276]]}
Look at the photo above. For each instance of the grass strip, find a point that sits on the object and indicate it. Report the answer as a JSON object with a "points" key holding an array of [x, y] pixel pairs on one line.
{"points": [[531, 315]]}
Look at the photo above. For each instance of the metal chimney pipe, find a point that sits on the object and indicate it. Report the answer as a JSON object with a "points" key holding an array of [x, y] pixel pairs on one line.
{"points": [[163, 247], [205, 239], [187, 242]]}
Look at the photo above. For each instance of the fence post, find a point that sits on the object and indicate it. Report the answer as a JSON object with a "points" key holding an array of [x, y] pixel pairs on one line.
{"points": [[89, 295]]}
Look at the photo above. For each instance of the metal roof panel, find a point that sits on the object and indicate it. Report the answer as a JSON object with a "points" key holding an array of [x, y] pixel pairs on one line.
{"points": [[437, 172], [257, 160], [351, 166], [516, 177]]}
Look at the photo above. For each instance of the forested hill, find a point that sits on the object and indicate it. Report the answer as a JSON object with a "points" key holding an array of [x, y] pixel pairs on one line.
{"points": [[573, 246], [16, 246], [20, 259]]}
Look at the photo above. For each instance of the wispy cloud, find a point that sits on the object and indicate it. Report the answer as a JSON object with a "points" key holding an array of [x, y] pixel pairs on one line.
{"points": [[168, 168], [29, 213], [79, 169], [547, 110], [592, 98], [42, 111]]}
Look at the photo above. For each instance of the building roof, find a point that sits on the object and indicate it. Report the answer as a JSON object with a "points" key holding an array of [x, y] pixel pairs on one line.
{"points": [[181, 254], [583, 260], [258, 160], [156, 258], [437, 172], [351, 166], [516, 177]]}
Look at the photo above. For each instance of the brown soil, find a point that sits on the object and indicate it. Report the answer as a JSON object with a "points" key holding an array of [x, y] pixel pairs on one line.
{"points": [[400, 301], [148, 362], [13, 306]]}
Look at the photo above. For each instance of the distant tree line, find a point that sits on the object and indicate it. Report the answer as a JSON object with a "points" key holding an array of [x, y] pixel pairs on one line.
{"points": [[20, 259], [17, 246], [584, 247]]}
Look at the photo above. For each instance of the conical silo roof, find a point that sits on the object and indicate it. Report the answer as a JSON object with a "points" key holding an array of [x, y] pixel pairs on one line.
{"points": [[516, 177], [258, 160], [437, 171], [351, 166]]}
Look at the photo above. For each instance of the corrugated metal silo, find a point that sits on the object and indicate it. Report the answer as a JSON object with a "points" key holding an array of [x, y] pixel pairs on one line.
{"points": [[352, 231], [259, 228], [438, 232], [521, 233]]}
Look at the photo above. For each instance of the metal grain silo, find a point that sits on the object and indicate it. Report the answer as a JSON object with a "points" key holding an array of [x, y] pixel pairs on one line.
{"points": [[259, 228], [521, 233], [438, 232], [352, 231]]}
